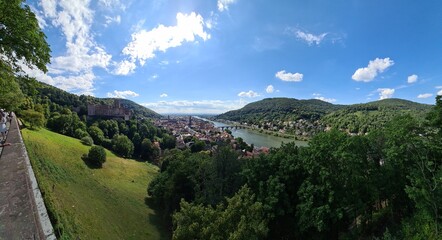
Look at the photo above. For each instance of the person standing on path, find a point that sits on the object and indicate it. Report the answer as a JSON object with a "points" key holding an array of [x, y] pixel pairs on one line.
{"points": [[3, 128]]}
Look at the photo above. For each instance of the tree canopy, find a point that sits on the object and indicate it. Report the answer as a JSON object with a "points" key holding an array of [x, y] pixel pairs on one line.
{"points": [[21, 38]]}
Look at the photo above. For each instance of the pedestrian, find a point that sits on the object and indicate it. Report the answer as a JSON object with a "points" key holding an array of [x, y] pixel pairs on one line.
{"points": [[3, 128]]}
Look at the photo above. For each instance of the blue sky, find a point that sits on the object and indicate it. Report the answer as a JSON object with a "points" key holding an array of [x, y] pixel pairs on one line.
{"points": [[211, 56]]}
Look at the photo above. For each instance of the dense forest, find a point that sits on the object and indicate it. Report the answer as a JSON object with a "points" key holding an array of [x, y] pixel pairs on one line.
{"points": [[383, 185]]}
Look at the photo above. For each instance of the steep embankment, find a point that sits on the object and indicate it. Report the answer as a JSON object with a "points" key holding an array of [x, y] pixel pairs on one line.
{"points": [[107, 203]]}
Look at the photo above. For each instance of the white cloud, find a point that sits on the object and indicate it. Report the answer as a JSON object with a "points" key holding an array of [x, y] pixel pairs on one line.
{"points": [[224, 4], [75, 19], [438, 87], [40, 19], [109, 20], [80, 83], [330, 100], [122, 94], [289, 77], [310, 38], [163, 95], [439, 93], [425, 95], [195, 107], [250, 94], [112, 4], [72, 71], [124, 68], [319, 97], [270, 89], [374, 67], [412, 78], [385, 93], [145, 44]]}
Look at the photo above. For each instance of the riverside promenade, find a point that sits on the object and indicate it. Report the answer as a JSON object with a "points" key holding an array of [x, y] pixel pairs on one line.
{"points": [[23, 214]]}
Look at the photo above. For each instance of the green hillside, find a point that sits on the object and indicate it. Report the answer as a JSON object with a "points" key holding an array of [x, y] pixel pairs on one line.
{"points": [[281, 109], [107, 203], [361, 118], [305, 118]]}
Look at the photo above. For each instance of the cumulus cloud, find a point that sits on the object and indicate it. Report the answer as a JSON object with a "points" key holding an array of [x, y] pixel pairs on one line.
{"points": [[75, 18], [310, 38], [163, 95], [73, 70], [250, 94], [425, 95], [289, 77], [124, 68], [412, 78], [195, 107], [145, 44], [270, 89], [374, 67], [224, 4], [385, 93], [122, 94]]}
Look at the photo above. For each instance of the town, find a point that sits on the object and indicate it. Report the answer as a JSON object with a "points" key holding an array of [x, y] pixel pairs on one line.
{"points": [[190, 131]]}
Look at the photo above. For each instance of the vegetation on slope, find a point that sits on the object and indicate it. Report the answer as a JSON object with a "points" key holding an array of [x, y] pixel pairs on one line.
{"points": [[308, 117], [361, 118], [281, 109], [88, 203]]}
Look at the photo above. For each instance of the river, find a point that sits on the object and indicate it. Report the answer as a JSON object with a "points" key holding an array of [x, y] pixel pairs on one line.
{"points": [[259, 139]]}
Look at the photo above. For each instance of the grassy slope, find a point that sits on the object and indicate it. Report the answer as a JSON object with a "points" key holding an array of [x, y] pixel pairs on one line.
{"points": [[107, 203]]}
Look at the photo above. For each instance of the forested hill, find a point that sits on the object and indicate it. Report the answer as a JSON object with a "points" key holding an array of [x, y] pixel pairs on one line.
{"points": [[79, 103], [361, 118], [305, 117], [284, 109]]}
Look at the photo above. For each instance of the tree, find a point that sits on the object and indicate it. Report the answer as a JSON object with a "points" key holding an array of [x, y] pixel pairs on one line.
{"points": [[97, 156], [96, 134], [123, 146], [198, 146], [35, 119], [11, 95], [148, 151], [21, 37], [168, 142], [242, 218]]}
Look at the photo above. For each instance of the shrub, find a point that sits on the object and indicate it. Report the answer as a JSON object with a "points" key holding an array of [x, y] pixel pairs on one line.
{"points": [[97, 156], [87, 141], [80, 133]]}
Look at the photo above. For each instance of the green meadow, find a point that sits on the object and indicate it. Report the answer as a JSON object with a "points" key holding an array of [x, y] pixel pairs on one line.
{"points": [[85, 203]]}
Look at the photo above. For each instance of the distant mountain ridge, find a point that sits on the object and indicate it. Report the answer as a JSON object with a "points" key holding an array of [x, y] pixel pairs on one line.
{"points": [[306, 117]]}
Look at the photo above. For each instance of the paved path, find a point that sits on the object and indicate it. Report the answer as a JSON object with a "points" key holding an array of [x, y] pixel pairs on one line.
{"points": [[22, 211]]}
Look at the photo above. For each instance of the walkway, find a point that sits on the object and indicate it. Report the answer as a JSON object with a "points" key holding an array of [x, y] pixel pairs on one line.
{"points": [[22, 211]]}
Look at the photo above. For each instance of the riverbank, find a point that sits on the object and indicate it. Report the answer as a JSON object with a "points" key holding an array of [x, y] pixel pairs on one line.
{"points": [[256, 137]]}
